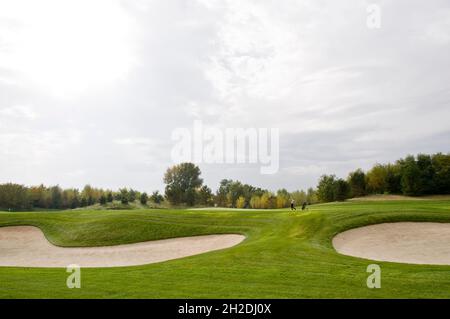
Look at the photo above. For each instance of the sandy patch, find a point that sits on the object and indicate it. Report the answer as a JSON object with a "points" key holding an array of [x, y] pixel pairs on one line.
{"points": [[405, 242], [26, 246]]}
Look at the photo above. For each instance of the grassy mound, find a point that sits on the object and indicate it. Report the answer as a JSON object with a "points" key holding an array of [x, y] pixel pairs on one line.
{"points": [[117, 205]]}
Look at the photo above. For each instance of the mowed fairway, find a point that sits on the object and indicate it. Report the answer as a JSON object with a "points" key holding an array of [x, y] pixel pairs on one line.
{"points": [[285, 254]]}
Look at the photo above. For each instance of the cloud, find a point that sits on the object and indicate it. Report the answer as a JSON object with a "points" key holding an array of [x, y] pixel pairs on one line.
{"points": [[66, 48], [126, 74], [32, 157], [145, 152], [18, 111]]}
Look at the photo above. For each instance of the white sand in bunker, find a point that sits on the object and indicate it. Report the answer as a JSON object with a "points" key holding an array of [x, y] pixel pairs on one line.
{"points": [[26, 246], [404, 242]]}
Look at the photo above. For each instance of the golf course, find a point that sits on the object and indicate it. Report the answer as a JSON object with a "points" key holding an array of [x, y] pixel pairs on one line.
{"points": [[285, 254]]}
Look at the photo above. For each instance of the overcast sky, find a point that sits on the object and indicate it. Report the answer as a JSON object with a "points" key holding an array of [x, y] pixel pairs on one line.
{"points": [[91, 90]]}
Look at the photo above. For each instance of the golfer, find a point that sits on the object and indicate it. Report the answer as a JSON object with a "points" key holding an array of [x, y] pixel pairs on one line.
{"points": [[292, 205], [304, 205]]}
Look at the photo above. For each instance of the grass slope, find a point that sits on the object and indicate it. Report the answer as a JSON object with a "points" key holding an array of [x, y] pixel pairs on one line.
{"points": [[285, 255]]}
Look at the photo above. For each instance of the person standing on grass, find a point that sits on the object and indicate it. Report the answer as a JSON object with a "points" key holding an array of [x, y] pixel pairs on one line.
{"points": [[292, 205], [304, 205]]}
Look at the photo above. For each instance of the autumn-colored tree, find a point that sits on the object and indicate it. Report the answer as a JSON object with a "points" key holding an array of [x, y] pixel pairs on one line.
{"points": [[376, 179], [255, 202], [240, 202]]}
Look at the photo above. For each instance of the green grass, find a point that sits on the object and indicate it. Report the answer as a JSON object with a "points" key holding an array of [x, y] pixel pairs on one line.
{"points": [[285, 255], [117, 205]]}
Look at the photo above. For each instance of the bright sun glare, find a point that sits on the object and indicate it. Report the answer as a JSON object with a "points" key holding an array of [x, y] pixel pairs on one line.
{"points": [[66, 47]]}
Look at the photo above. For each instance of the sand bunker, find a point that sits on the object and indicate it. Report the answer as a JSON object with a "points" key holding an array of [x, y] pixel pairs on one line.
{"points": [[405, 242], [26, 246]]}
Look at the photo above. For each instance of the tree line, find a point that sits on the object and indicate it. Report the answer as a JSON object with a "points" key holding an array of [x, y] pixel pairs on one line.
{"points": [[184, 186], [412, 176], [20, 197]]}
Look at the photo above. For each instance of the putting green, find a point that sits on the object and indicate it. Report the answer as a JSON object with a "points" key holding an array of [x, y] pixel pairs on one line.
{"points": [[285, 254]]}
